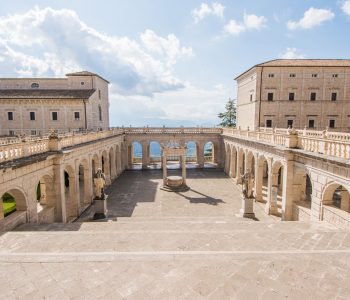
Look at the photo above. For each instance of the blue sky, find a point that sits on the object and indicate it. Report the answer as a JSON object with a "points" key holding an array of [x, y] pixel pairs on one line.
{"points": [[169, 62]]}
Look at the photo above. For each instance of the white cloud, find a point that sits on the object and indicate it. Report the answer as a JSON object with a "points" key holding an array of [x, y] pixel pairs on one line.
{"points": [[346, 7], [63, 43], [204, 10], [292, 53], [250, 22], [312, 17]]}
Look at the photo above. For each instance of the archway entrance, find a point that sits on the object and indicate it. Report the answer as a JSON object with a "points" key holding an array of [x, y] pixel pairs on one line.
{"points": [[191, 154], [13, 208], [209, 155], [155, 155]]}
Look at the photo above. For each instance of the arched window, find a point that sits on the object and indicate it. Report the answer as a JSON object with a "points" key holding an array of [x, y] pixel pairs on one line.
{"points": [[100, 112], [35, 85]]}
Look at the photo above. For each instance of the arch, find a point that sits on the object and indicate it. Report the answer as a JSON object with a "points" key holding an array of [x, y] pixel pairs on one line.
{"points": [[112, 163], [85, 184], [12, 200], [154, 152], [250, 162], [71, 197], [261, 179], [192, 152], [209, 153], [241, 158], [135, 155]]}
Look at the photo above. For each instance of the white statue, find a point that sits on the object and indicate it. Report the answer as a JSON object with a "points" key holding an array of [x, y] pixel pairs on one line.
{"points": [[247, 184], [100, 182]]}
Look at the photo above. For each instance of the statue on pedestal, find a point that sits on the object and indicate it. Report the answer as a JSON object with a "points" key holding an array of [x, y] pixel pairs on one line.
{"points": [[100, 182], [247, 184]]}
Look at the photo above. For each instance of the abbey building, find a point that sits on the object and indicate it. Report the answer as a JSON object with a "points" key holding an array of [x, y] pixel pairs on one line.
{"points": [[33, 106]]}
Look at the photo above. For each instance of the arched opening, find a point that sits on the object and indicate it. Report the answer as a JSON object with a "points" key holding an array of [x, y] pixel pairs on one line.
{"points": [[117, 160], [106, 166], [155, 155], [13, 207], [277, 186], [45, 199], [135, 155], [241, 164], [112, 164], [85, 185], [70, 194], [261, 180], [209, 154], [336, 205], [191, 154]]}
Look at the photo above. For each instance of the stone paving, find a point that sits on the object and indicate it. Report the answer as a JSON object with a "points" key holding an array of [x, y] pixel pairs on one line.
{"points": [[190, 245]]}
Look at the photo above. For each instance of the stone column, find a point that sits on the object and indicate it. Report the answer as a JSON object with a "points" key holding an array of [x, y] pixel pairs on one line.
{"points": [[107, 167], [258, 182], [1, 208], [43, 198], [77, 192], [164, 169], [345, 200], [200, 155], [183, 167], [238, 170], [145, 161], [288, 191], [233, 167], [60, 203], [113, 166], [271, 204], [130, 155]]}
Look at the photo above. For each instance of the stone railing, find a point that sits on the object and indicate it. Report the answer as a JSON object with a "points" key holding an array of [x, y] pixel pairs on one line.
{"points": [[172, 130], [336, 216], [19, 147], [324, 142]]}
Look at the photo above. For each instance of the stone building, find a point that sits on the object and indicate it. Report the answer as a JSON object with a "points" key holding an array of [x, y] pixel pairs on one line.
{"points": [[33, 106], [295, 92]]}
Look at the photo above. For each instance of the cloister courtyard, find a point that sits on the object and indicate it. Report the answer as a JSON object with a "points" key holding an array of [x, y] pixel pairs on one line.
{"points": [[192, 244]]}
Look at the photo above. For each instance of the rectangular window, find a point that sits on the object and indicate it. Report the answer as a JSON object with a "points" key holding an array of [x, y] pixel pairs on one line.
{"points": [[32, 115], [290, 123], [77, 115], [332, 123], [269, 96], [269, 123], [251, 97], [292, 75], [313, 96], [311, 123], [12, 132], [54, 116], [33, 132], [334, 96], [291, 96], [99, 94], [271, 75], [10, 115], [314, 75]]}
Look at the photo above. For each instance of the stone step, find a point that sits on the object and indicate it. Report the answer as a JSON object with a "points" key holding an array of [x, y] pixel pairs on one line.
{"points": [[181, 225]]}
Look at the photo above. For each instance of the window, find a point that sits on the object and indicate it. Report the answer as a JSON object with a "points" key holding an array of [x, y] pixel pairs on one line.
{"points": [[314, 75], [334, 96], [290, 123], [251, 97], [11, 132], [10, 115], [269, 96], [271, 75], [292, 75], [54, 116], [331, 123], [99, 94], [34, 85], [82, 83], [32, 115], [335, 75], [269, 123], [100, 112], [313, 96], [311, 123], [33, 132], [77, 115], [291, 96]]}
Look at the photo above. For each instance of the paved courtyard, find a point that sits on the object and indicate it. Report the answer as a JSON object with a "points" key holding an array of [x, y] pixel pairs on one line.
{"points": [[188, 245]]}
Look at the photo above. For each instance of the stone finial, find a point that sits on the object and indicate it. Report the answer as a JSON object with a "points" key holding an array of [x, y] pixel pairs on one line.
{"points": [[22, 137], [291, 130]]}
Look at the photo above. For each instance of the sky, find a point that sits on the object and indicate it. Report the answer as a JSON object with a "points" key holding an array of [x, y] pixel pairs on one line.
{"points": [[169, 62]]}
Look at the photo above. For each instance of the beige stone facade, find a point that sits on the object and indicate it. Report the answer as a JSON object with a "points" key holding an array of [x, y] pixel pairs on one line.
{"points": [[299, 93], [33, 106]]}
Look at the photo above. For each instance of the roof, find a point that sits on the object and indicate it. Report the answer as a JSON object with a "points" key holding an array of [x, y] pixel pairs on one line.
{"points": [[45, 94], [86, 73], [302, 63]]}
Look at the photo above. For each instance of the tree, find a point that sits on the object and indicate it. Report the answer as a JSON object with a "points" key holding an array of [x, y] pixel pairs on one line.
{"points": [[228, 118]]}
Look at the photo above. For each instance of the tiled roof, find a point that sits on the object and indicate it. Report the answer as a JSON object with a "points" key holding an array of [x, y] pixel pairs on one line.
{"points": [[302, 63], [86, 73], [45, 94]]}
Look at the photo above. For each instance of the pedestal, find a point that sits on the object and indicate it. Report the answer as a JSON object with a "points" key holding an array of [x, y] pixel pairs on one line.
{"points": [[100, 206], [247, 210]]}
